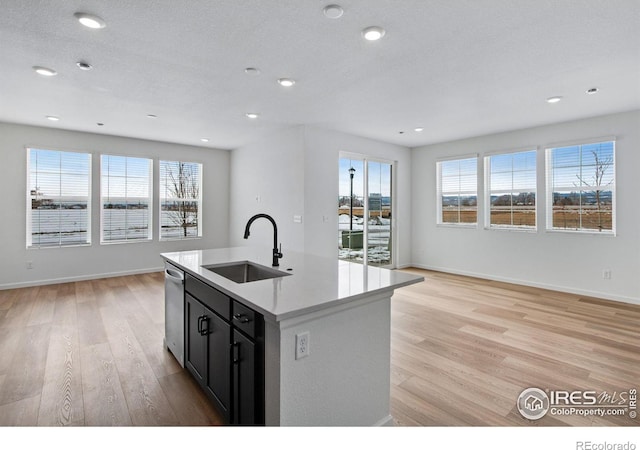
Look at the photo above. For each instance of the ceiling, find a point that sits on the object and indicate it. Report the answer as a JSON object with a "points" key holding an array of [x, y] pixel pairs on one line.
{"points": [[457, 68]]}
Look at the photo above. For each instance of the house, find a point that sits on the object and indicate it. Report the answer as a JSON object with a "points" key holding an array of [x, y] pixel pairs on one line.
{"points": [[198, 82]]}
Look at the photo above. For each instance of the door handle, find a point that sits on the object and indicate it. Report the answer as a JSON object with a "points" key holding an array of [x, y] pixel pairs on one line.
{"points": [[200, 324]]}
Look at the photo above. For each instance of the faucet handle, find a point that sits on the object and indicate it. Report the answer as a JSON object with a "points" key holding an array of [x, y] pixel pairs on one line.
{"points": [[278, 253]]}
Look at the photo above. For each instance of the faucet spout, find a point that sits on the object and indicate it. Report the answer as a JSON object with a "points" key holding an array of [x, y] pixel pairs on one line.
{"points": [[277, 254]]}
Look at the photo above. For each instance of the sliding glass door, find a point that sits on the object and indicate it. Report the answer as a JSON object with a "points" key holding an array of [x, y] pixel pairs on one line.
{"points": [[365, 232]]}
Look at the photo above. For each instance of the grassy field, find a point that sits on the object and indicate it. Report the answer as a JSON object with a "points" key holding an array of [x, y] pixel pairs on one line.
{"points": [[563, 218]]}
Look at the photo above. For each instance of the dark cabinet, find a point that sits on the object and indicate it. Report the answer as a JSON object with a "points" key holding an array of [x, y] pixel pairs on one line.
{"points": [[244, 380], [224, 352], [208, 352], [195, 343]]}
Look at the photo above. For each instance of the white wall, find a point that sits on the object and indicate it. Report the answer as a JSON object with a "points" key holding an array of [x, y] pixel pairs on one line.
{"points": [[295, 172], [569, 262], [322, 150], [267, 177], [74, 263]]}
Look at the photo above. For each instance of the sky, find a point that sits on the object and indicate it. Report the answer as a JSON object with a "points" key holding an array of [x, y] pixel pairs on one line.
{"points": [[379, 177]]}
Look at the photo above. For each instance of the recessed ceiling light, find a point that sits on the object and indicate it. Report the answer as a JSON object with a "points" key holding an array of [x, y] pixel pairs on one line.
{"points": [[592, 91], [554, 99], [152, 116], [44, 71], [333, 11], [286, 82], [204, 140], [90, 20], [373, 33], [419, 129], [252, 115], [84, 65], [53, 118], [252, 71]]}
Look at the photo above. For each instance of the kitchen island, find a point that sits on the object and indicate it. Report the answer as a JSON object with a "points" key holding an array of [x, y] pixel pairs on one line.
{"points": [[325, 334]]}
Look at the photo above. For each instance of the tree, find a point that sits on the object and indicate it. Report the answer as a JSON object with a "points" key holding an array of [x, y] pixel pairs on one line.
{"points": [[601, 167], [183, 184]]}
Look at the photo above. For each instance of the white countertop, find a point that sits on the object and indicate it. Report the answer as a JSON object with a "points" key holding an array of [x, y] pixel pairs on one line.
{"points": [[315, 282]]}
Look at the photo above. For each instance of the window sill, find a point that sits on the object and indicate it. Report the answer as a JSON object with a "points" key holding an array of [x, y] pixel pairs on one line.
{"points": [[194, 238], [46, 247], [513, 229], [458, 225], [126, 241], [582, 232]]}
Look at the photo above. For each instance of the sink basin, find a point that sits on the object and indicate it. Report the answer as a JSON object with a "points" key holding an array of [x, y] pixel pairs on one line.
{"points": [[245, 271]]}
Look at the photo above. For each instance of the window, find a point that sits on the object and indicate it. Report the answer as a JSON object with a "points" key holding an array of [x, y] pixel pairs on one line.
{"points": [[126, 198], [511, 190], [59, 204], [180, 200], [365, 210], [458, 191], [581, 189]]}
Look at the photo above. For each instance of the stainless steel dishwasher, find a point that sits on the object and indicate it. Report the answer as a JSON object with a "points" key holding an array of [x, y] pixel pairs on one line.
{"points": [[174, 311]]}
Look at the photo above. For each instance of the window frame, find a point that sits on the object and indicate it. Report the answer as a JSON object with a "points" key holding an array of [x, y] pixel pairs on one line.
{"points": [[440, 193], [162, 198], [489, 192], [150, 212], [588, 188], [29, 198]]}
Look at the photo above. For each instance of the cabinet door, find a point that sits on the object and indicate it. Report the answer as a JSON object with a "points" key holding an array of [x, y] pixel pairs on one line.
{"points": [[195, 342], [219, 358], [244, 380]]}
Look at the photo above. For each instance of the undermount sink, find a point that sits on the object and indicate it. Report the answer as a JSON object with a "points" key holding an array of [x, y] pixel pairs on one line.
{"points": [[245, 271]]}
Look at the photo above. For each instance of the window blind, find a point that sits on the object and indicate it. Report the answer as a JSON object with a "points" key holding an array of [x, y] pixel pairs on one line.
{"points": [[511, 189], [458, 191], [180, 200], [58, 196], [581, 189], [126, 192]]}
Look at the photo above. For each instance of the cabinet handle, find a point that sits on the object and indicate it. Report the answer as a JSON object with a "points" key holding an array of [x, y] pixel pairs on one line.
{"points": [[200, 324], [241, 318], [236, 352], [202, 320]]}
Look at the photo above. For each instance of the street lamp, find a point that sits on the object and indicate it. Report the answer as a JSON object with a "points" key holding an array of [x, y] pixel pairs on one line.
{"points": [[352, 172]]}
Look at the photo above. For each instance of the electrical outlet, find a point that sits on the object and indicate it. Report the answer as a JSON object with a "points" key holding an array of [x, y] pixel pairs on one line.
{"points": [[29, 264], [606, 274], [302, 345]]}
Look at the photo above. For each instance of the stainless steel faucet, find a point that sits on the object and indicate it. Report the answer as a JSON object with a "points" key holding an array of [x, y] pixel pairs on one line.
{"points": [[277, 254]]}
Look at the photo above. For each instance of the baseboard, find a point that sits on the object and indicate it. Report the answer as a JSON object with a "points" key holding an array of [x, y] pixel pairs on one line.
{"points": [[385, 422], [95, 276], [551, 287]]}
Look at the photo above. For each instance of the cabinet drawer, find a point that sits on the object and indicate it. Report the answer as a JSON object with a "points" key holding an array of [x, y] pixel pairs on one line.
{"points": [[245, 319], [210, 297]]}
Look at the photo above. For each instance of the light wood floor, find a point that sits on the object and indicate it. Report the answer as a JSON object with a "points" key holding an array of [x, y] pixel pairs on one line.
{"points": [[91, 353], [463, 349]]}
